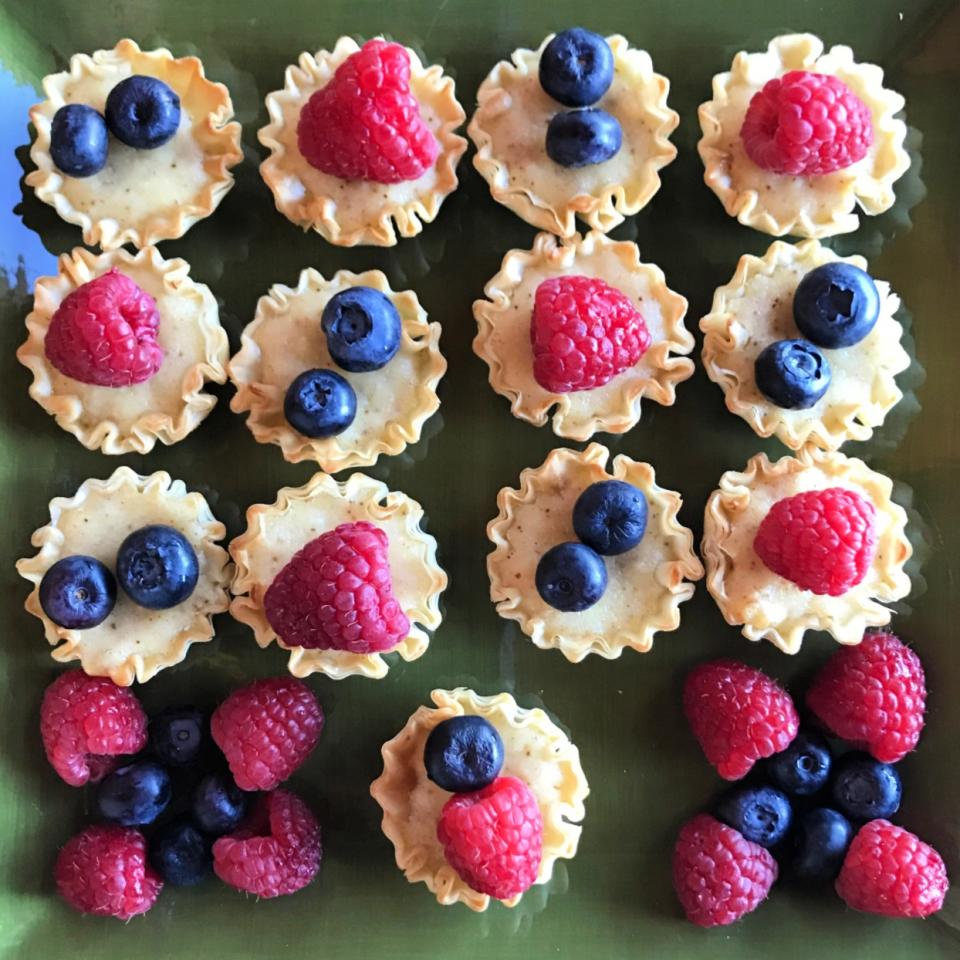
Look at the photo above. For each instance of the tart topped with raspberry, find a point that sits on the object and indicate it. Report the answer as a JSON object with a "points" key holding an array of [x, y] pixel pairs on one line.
{"points": [[812, 542], [480, 798], [362, 142], [134, 146], [805, 345], [121, 347], [599, 161], [338, 371], [581, 328], [796, 137], [339, 574]]}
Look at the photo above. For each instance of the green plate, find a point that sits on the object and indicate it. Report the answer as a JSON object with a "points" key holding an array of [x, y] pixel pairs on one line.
{"points": [[646, 773]]}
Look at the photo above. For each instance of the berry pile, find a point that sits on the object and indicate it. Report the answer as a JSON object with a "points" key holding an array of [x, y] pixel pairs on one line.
{"points": [[807, 808], [169, 812]]}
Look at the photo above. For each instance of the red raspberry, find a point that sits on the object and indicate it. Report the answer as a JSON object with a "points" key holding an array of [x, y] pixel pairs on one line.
{"points": [[890, 871], [105, 871], [266, 730], [336, 593], [105, 333], [718, 874], [821, 540], [365, 124], [806, 124], [873, 695], [584, 332], [493, 837], [277, 852], [88, 724], [738, 715]]}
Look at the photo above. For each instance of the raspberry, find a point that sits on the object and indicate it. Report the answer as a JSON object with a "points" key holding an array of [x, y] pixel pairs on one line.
{"points": [[890, 871], [277, 852], [493, 837], [873, 695], [365, 124], [266, 730], [718, 874], [88, 724], [584, 332], [738, 715], [821, 540], [105, 871], [806, 124], [105, 333], [336, 593]]}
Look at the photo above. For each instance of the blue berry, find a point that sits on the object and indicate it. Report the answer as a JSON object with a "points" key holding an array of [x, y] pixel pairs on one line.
{"points": [[793, 374], [134, 795], [78, 592], [219, 805], [157, 567], [571, 577], [181, 854], [320, 403], [142, 112], [804, 767], [836, 305], [576, 67], [463, 754], [865, 789], [581, 138], [362, 327], [78, 140], [610, 516], [761, 814], [820, 841], [178, 736]]}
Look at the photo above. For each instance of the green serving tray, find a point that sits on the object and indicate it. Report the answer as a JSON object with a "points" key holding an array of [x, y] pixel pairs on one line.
{"points": [[646, 773]]}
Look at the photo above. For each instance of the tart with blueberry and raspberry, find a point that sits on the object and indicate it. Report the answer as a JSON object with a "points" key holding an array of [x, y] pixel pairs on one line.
{"points": [[797, 137], [133, 146], [339, 574], [531, 334], [338, 371], [121, 347], [480, 798], [812, 542], [805, 346], [578, 127], [362, 142], [128, 575], [588, 560]]}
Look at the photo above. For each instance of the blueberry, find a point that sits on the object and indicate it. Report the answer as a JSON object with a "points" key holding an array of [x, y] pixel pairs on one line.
{"points": [[178, 736], [320, 403], [362, 327], [836, 305], [157, 567], [78, 140], [78, 592], [804, 767], [576, 67], [134, 795], [571, 577], [580, 138], [142, 112], [181, 854], [219, 805], [610, 516], [793, 374], [820, 842], [865, 789], [463, 754], [761, 814]]}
